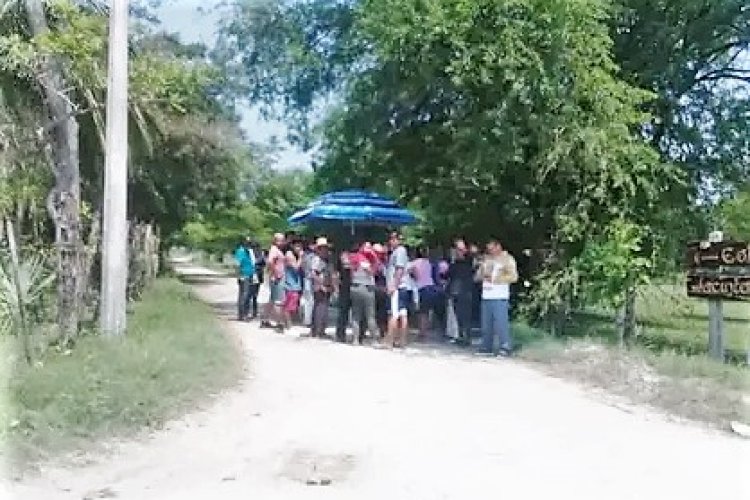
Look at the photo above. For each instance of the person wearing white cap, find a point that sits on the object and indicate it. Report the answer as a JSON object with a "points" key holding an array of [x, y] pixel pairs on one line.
{"points": [[322, 281]]}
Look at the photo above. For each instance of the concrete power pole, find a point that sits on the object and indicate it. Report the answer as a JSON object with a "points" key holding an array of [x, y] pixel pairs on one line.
{"points": [[115, 224]]}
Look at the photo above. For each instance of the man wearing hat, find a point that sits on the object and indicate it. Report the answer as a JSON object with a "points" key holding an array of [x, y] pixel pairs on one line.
{"points": [[322, 282]]}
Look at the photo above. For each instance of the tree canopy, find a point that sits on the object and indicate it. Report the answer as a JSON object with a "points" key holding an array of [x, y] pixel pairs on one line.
{"points": [[556, 124], [188, 158]]}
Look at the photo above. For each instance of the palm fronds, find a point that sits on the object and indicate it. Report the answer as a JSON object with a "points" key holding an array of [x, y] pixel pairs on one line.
{"points": [[23, 283]]}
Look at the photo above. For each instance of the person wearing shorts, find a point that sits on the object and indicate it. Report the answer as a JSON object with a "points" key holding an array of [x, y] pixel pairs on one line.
{"points": [[276, 264], [400, 302], [399, 294], [292, 283]]}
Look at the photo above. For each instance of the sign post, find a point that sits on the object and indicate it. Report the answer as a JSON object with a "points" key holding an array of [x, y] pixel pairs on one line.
{"points": [[716, 329], [718, 270]]}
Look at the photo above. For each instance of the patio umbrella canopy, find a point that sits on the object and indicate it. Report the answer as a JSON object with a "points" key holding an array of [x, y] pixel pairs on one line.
{"points": [[358, 208]]}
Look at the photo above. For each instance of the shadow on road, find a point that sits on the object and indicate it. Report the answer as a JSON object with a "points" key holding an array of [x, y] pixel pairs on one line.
{"points": [[202, 279]]}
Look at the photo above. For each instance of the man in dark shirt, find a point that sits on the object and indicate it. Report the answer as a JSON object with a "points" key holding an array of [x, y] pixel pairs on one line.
{"points": [[322, 282], [345, 297], [461, 286], [381, 288], [260, 266]]}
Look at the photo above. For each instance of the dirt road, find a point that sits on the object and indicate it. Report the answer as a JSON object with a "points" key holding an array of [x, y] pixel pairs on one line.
{"points": [[422, 424]]}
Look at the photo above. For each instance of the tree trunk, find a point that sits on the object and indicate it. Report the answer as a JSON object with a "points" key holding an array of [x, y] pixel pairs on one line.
{"points": [[627, 318], [557, 322], [64, 201], [89, 300]]}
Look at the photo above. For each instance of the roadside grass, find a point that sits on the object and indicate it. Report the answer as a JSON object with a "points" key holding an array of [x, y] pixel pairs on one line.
{"points": [[688, 386], [174, 355], [669, 320]]}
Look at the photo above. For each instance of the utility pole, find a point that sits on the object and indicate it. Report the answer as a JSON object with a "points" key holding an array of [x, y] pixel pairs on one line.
{"points": [[113, 301]]}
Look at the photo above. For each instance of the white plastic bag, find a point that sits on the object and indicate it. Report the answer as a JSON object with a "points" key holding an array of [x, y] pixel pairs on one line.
{"points": [[451, 326]]}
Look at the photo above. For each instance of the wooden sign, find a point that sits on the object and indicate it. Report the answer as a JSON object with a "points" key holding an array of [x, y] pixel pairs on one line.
{"points": [[718, 286], [719, 270], [727, 254]]}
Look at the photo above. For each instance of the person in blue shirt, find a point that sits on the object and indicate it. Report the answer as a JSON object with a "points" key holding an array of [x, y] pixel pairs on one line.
{"points": [[246, 277]]}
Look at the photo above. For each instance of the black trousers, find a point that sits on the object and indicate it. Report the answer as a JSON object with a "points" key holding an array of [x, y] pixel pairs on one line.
{"points": [[381, 308], [320, 314], [254, 289], [244, 297], [345, 306], [441, 308], [463, 305]]}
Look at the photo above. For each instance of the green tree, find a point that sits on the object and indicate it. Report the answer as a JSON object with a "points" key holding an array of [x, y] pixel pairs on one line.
{"points": [[688, 53], [54, 54], [692, 55], [734, 215], [281, 193], [218, 232], [488, 116]]}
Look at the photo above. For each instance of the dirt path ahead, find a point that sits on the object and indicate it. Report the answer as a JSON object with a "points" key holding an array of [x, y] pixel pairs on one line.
{"points": [[415, 425]]}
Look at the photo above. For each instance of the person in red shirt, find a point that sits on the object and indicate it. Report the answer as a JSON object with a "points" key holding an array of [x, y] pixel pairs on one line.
{"points": [[363, 267]]}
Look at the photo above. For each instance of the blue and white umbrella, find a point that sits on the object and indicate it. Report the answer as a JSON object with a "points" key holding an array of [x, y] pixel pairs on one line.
{"points": [[356, 207]]}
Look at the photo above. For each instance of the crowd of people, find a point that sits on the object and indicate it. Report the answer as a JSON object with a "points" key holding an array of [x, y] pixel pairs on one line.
{"points": [[380, 290]]}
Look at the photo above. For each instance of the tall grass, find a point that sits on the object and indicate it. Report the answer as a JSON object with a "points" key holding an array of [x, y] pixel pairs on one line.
{"points": [[690, 386], [174, 353], [669, 321]]}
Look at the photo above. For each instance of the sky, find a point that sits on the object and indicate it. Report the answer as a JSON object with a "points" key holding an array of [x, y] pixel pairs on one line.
{"points": [[191, 20]]}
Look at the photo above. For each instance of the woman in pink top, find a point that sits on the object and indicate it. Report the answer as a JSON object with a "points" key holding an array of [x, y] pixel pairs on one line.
{"points": [[421, 271]]}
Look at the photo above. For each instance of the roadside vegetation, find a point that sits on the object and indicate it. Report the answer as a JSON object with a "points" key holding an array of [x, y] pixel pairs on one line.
{"points": [[174, 355], [666, 369], [194, 178]]}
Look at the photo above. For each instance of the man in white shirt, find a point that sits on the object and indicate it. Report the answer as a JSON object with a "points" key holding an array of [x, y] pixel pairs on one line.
{"points": [[497, 272], [398, 293]]}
